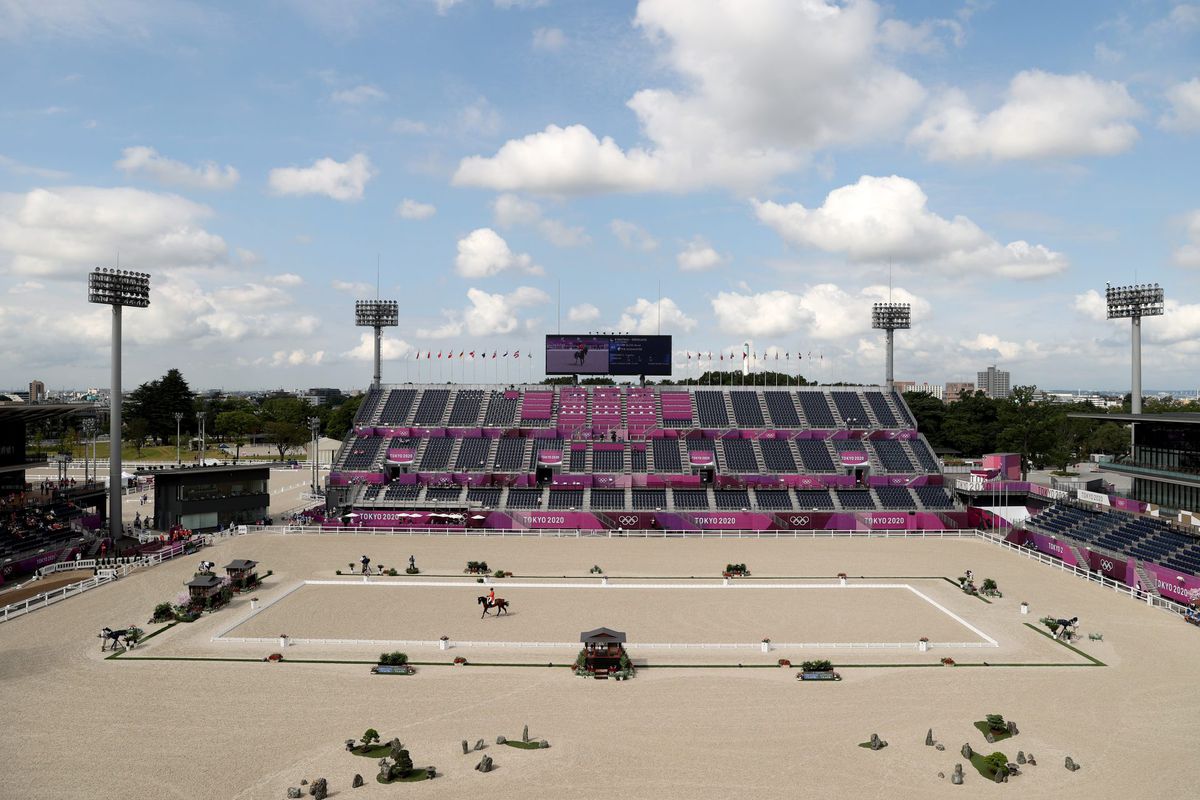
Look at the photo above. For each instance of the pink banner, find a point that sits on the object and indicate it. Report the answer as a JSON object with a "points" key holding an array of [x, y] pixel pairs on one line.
{"points": [[853, 458], [700, 458], [1174, 585]]}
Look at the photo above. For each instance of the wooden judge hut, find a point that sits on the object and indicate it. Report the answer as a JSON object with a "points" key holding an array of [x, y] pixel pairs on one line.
{"points": [[242, 574], [203, 589], [603, 649]]}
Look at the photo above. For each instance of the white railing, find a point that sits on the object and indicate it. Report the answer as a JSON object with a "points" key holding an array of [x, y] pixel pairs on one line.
{"points": [[501, 645], [107, 570], [552, 533]]}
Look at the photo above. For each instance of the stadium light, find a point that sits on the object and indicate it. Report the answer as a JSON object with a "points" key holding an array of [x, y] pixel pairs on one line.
{"points": [[1133, 303], [116, 288], [891, 317], [377, 314]]}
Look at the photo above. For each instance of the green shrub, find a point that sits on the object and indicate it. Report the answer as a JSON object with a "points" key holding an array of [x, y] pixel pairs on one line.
{"points": [[163, 612], [996, 722], [393, 659], [988, 585], [1050, 623], [370, 736], [412, 570], [821, 665], [392, 572], [499, 573], [996, 761]]}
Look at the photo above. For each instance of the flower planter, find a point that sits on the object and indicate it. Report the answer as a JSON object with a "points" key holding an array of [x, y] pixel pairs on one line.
{"points": [[766, 645], [1024, 608], [444, 643], [283, 640], [923, 645], [254, 604]]}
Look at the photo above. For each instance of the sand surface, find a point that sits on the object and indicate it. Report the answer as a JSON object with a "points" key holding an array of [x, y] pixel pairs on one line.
{"points": [[79, 725]]}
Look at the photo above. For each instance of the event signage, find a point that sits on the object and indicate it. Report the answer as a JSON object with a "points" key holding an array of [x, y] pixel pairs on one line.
{"points": [[594, 354], [1092, 497], [853, 458]]}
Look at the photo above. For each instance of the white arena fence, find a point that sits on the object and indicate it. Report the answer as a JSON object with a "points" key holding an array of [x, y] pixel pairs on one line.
{"points": [[107, 571], [575, 533]]}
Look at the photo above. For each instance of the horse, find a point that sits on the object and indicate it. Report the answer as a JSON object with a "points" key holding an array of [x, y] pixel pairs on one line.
{"points": [[1066, 627], [500, 604], [109, 635]]}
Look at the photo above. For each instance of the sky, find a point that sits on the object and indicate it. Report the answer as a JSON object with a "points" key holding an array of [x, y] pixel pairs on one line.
{"points": [[724, 171]]}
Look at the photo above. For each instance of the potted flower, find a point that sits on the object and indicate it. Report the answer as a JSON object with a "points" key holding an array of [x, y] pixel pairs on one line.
{"points": [[254, 604], [1024, 607], [948, 662], [274, 657], [783, 662], [841, 578], [923, 644], [444, 643], [459, 661], [283, 640], [766, 645]]}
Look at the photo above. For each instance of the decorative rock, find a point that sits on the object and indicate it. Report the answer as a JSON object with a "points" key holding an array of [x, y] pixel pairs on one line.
{"points": [[1020, 756], [543, 744], [430, 773], [485, 764], [1031, 760], [350, 745], [319, 789], [500, 740], [1070, 764], [967, 752], [293, 792], [466, 747], [939, 746], [957, 777], [357, 782], [988, 736], [1012, 728], [1001, 775], [479, 744], [877, 743], [525, 734], [929, 738], [942, 775], [304, 781]]}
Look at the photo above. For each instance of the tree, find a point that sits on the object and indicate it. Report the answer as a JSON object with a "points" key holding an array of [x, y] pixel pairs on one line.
{"points": [[970, 425], [929, 413], [157, 401], [1111, 438], [404, 764], [284, 436], [995, 721], [370, 737], [342, 416], [236, 425], [996, 761], [138, 428]]}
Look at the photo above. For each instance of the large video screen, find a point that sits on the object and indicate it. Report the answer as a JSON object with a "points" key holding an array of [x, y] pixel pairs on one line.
{"points": [[593, 354]]}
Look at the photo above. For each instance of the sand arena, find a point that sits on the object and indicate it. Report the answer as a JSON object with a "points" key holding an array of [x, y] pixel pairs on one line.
{"points": [[157, 724]]}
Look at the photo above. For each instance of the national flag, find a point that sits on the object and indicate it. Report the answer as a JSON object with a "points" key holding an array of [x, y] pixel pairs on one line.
{"points": [[689, 356], [505, 354], [722, 356], [439, 353], [429, 355], [745, 354], [776, 355], [493, 354], [450, 354], [529, 355], [472, 354], [516, 354], [787, 356], [460, 353], [418, 355]]}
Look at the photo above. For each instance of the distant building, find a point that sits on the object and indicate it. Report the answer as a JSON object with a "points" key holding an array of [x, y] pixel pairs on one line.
{"points": [[905, 386], [935, 389], [994, 382], [322, 397], [953, 390], [37, 391]]}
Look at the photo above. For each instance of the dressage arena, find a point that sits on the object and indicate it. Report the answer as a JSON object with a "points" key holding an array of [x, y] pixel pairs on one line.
{"points": [[195, 709]]}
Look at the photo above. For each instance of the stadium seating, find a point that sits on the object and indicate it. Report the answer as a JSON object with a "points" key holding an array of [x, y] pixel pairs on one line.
{"points": [[443, 494], [617, 431]]}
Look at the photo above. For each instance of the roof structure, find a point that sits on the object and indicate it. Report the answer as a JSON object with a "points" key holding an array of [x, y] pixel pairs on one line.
{"points": [[34, 412], [1178, 417], [602, 636], [241, 564], [204, 581]]}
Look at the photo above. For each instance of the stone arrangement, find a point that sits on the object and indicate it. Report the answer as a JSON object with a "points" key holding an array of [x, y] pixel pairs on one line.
{"points": [[1020, 756], [466, 747], [967, 752], [1012, 728], [485, 764], [525, 734], [877, 743], [479, 745], [957, 777], [357, 782], [293, 792], [929, 738], [1070, 764], [319, 789], [500, 740]]}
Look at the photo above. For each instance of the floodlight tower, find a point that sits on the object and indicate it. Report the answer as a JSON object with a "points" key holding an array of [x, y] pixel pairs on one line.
{"points": [[891, 317], [1134, 302], [377, 314], [116, 288]]}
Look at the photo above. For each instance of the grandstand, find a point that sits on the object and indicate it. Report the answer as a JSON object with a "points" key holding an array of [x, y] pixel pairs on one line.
{"points": [[640, 457]]}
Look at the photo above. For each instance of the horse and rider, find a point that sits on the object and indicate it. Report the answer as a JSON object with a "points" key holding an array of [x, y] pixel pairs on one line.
{"points": [[126, 637], [490, 601]]}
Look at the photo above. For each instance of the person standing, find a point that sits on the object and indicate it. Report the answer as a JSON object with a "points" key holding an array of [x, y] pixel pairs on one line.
{"points": [[366, 565]]}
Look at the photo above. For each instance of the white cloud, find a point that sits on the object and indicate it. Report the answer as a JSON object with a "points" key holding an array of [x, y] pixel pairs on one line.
{"points": [[824, 311], [247, 257], [353, 287], [124, 21], [698, 256], [510, 210], [479, 118], [1044, 115], [488, 314], [483, 252], [760, 92], [1091, 305], [389, 349], [25, 287], [1178, 326], [507, 4], [358, 95], [643, 317], [285, 279], [297, 358], [987, 342], [412, 209], [443, 6], [584, 312], [885, 218], [409, 126], [923, 38], [19, 168], [549, 39], [1184, 116], [1188, 254], [147, 161], [633, 236], [67, 230], [340, 180]]}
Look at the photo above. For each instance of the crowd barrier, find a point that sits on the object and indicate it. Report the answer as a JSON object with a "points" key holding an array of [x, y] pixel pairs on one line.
{"points": [[632, 533], [107, 571]]}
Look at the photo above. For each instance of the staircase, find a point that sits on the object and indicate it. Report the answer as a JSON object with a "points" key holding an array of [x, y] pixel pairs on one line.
{"points": [[483, 407], [649, 456], [587, 463], [1149, 584], [729, 407], [419, 453], [450, 462], [1080, 558], [446, 410], [762, 405]]}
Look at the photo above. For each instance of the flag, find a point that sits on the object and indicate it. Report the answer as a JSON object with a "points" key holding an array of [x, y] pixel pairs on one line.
{"points": [[505, 354], [516, 354], [418, 355], [722, 356], [429, 354], [529, 354], [450, 354], [460, 353], [439, 353], [745, 354], [710, 356], [787, 356], [472, 354], [689, 356], [776, 355], [493, 354]]}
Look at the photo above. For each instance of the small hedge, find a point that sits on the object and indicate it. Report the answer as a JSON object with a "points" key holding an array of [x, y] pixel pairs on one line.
{"points": [[393, 659], [816, 666]]}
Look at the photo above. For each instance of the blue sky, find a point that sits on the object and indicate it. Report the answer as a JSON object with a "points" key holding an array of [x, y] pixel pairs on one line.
{"points": [[767, 162]]}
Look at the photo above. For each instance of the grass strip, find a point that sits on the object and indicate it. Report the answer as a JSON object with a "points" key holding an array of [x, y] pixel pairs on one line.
{"points": [[1095, 661]]}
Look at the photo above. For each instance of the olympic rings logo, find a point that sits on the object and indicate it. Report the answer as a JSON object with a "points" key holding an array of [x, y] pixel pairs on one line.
{"points": [[798, 521], [628, 520], [1106, 565]]}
